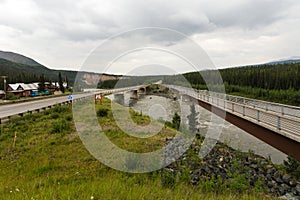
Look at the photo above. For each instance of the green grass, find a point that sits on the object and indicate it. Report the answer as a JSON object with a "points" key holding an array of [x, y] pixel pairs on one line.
{"points": [[48, 161]]}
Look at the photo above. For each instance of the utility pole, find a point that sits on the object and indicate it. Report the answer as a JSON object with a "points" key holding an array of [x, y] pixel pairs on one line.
{"points": [[4, 85]]}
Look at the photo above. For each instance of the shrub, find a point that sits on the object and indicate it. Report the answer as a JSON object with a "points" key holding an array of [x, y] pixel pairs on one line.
{"points": [[292, 166], [60, 126], [60, 109], [10, 96], [54, 116], [102, 112], [239, 183], [69, 117]]}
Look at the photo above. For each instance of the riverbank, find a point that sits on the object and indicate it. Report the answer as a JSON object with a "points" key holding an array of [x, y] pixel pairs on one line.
{"points": [[226, 169]]}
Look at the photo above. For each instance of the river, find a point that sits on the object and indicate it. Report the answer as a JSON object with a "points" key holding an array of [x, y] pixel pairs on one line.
{"points": [[160, 107]]}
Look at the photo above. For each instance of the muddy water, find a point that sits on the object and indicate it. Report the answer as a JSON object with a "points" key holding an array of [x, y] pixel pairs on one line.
{"points": [[160, 107]]}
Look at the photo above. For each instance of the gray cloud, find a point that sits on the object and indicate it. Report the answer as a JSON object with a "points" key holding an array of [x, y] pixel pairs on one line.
{"points": [[76, 27]]}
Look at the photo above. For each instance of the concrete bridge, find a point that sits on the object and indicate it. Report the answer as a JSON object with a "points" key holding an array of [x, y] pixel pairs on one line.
{"points": [[275, 124], [123, 95]]}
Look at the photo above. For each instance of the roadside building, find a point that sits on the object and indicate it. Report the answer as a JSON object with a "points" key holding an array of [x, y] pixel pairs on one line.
{"points": [[15, 89], [22, 89], [2, 94]]}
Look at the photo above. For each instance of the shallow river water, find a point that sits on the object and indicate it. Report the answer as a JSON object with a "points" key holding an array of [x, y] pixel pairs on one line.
{"points": [[160, 107]]}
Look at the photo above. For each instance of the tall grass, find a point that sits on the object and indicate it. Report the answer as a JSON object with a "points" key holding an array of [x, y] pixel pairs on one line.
{"points": [[52, 163]]}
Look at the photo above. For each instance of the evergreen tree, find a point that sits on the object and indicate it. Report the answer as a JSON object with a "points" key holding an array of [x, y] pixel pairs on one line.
{"points": [[42, 83], [60, 82], [193, 119], [176, 121]]}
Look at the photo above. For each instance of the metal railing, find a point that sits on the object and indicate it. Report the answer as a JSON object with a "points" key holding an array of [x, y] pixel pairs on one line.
{"points": [[283, 119]]}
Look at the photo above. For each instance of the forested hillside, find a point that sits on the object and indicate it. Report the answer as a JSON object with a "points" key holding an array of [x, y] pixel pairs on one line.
{"points": [[279, 82], [278, 77], [17, 72]]}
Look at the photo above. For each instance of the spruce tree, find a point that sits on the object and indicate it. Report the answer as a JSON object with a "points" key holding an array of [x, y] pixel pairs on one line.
{"points": [[42, 83], [176, 121], [193, 119], [60, 82]]}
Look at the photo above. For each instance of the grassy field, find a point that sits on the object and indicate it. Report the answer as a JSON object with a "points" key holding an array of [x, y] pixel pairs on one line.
{"points": [[42, 157]]}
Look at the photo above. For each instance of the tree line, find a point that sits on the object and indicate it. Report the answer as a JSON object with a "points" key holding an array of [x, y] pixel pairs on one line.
{"points": [[271, 77]]}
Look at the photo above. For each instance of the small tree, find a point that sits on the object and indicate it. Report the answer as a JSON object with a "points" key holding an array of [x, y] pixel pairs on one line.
{"points": [[42, 83], [60, 82], [176, 121], [193, 119]]}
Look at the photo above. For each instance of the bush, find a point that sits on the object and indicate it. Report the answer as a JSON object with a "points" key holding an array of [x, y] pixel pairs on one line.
{"points": [[54, 116], [102, 112], [60, 126], [293, 167], [60, 109], [11, 96], [239, 183]]}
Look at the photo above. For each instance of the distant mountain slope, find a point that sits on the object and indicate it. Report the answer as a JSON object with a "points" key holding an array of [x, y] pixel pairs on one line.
{"points": [[295, 59], [18, 58], [24, 69], [17, 72]]}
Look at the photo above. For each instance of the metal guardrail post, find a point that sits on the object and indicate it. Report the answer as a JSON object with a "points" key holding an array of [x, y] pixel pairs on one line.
{"points": [[279, 123], [232, 107], [258, 115], [243, 110], [282, 110]]}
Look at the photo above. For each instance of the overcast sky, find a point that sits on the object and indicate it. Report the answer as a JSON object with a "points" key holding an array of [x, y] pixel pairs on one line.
{"points": [[61, 34]]}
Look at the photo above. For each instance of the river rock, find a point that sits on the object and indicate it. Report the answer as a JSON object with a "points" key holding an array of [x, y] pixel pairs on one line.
{"points": [[286, 178], [270, 171], [284, 188], [298, 188], [289, 196], [269, 167]]}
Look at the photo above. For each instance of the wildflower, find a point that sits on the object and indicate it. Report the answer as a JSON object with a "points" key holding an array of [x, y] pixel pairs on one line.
{"points": [[92, 197], [17, 189]]}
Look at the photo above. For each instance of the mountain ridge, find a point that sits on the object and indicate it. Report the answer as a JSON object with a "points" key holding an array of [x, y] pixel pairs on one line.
{"points": [[20, 68], [18, 58]]}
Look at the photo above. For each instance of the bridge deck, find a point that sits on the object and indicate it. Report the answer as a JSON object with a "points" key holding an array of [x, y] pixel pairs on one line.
{"points": [[276, 124]]}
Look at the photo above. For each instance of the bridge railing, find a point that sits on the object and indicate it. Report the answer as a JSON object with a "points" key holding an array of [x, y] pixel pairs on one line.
{"points": [[283, 122], [268, 106]]}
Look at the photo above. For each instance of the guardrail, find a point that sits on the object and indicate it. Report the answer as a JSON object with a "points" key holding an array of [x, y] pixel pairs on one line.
{"points": [[67, 101], [30, 111], [276, 117]]}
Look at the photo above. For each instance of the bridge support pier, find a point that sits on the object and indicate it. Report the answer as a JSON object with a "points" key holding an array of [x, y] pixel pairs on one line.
{"points": [[134, 94], [119, 98]]}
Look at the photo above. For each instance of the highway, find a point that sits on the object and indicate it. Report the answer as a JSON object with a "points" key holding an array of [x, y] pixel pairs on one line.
{"points": [[19, 108]]}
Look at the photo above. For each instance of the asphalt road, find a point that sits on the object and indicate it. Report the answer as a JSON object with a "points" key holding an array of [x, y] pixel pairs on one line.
{"points": [[17, 108]]}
